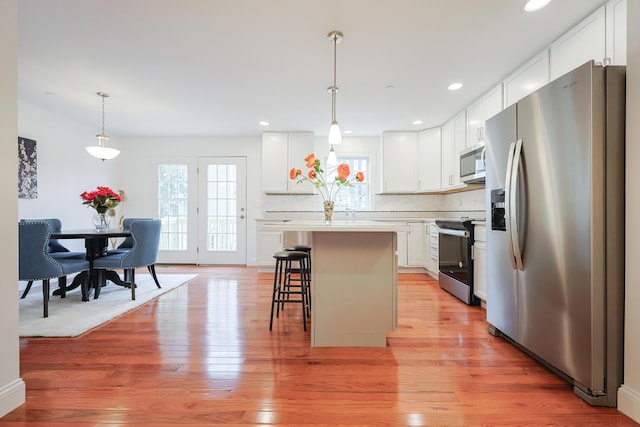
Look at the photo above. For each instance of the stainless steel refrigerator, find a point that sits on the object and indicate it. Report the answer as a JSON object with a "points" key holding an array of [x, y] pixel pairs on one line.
{"points": [[555, 227]]}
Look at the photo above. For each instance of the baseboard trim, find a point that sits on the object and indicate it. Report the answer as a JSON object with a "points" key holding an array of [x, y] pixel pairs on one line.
{"points": [[629, 402], [11, 396]]}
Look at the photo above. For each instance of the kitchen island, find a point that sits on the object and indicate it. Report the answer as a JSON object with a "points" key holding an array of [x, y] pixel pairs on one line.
{"points": [[354, 280]]}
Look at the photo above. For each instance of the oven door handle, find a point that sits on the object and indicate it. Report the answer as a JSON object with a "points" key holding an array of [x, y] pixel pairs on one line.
{"points": [[452, 232]]}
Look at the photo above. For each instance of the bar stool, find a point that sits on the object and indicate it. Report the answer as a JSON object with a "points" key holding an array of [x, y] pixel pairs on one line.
{"points": [[282, 287], [296, 271]]}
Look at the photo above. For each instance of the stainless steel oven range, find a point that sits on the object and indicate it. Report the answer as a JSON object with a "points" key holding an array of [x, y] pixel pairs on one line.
{"points": [[455, 264]]}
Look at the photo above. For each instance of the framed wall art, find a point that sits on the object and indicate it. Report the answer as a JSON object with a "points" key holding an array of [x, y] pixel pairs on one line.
{"points": [[27, 169]]}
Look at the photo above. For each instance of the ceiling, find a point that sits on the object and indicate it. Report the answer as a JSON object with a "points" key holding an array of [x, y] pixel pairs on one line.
{"points": [[214, 67]]}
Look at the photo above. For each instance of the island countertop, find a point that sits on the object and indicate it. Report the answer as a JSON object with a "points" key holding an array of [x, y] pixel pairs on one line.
{"points": [[339, 225]]}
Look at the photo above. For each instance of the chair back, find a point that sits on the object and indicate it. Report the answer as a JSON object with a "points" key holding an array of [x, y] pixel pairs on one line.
{"points": [[56, 225], [127, 243], [145, 233], [35, 263]]}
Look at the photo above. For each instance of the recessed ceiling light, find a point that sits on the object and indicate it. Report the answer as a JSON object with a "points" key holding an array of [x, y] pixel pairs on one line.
{"points": [[263, 123], [347, 132], [455, 86], [417, 122], [533, 5]]}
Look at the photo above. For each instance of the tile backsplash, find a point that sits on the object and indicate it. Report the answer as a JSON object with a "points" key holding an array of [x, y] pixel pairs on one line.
{"points": [[466, 203]]}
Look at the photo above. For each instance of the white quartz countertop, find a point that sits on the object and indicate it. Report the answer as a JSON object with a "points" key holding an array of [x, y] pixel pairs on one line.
{"points": [[341, 225]]}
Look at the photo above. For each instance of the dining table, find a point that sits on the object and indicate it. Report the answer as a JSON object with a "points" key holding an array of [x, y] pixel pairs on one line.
{"points": [[96, 243]]}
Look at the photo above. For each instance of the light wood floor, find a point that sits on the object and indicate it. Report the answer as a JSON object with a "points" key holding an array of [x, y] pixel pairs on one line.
{"points": [[203, 354]]}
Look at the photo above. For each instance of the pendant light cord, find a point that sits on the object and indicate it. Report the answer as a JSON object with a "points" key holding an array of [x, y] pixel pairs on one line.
{"points": [[102, 114], [335, 87]]}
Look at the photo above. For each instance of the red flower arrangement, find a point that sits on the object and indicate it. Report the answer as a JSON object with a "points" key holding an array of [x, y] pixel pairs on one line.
{"points": [[101, 199], [315, 175]]}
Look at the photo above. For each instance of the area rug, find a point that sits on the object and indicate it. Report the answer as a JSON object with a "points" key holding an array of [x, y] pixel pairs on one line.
{"points": [[70, 316]]}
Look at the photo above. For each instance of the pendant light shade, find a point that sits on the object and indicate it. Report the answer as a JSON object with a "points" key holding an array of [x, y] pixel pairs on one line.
{"points": [[335, 136], [332, 159], [101, 151]]}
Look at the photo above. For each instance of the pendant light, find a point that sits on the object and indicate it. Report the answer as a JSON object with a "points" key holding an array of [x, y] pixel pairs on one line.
{"points": [[101, 151], [335, 136]]}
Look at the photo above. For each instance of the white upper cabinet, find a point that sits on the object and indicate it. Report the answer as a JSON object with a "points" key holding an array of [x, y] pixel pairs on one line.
{"points": [[584, 42], [616, 32], [429, 159], [453, 141], [478, 113], [281, 152], [531, 76], [399, 162]]}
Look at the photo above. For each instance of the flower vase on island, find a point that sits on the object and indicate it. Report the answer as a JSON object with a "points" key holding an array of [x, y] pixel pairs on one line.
{"points": [[328, 190], [101, 199]]}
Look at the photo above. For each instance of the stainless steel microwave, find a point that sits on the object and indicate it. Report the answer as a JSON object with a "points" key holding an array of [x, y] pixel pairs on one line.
{"points": [[472, 164]]}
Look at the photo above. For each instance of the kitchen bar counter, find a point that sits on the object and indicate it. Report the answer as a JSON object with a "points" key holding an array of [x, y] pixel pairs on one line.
{"points": [[354, 280]]}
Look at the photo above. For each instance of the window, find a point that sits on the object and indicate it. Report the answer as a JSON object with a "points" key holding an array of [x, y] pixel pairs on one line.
{"points": [[358, 196], [172, 206], [222, 197]]}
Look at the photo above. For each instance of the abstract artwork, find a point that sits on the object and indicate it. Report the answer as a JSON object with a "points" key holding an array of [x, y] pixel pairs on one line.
{"points": [[27, 169]]}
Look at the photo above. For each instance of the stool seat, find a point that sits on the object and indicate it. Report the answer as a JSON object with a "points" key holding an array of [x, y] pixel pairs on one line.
{"points": [[283, 289]]}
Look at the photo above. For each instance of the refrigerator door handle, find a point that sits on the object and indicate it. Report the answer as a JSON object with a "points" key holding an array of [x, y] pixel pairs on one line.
{"points": [[513, 206], [507, 202]]}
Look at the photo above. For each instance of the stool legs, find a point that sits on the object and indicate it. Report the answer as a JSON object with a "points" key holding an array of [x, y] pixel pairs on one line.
{"points": [[283, 288]]}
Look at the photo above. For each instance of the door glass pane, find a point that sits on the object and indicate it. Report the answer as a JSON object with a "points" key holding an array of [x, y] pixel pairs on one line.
{"points": [[221, 207], [172, 206]]}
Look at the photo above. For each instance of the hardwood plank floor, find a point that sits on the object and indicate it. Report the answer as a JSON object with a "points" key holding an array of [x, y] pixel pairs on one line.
{"points": [[203, 355]]}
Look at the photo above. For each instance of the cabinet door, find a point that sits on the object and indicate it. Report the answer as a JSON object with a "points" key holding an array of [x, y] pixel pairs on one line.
{"points": [[429, 159], [399, 162], [459, 143], [267, 243], [453, 141], [282, 151], [616, 27], [492, 103], [584, 42], [416, 243], [402, 249], [448, 149], [300, 145], [433, 248], [480, 270], [275, 162], [475, 122], [531, 76]]}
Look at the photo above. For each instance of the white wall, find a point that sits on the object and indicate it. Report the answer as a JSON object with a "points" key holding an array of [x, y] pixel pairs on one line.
{"points": [[629, 394], [65, 169], [12, 388]]}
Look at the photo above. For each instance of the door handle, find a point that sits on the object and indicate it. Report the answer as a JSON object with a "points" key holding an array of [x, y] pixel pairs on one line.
{"points": [[511, 202]]}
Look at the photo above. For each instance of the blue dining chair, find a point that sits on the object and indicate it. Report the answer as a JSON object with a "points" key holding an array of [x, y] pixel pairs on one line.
{"points": [[36, 263], [145, 236], [127, 244], [56, 250]]}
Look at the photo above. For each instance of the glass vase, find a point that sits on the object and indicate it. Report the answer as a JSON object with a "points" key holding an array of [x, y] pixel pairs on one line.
{"points": [[101, 221], [328, 211]]}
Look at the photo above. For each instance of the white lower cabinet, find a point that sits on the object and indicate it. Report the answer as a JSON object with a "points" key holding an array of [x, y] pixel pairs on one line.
{"points": [[402, 249], [267, 243], [480, 262], [416, 244]]}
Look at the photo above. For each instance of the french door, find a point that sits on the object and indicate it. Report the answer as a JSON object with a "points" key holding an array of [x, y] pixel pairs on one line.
{"points": [[201, 202]]}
